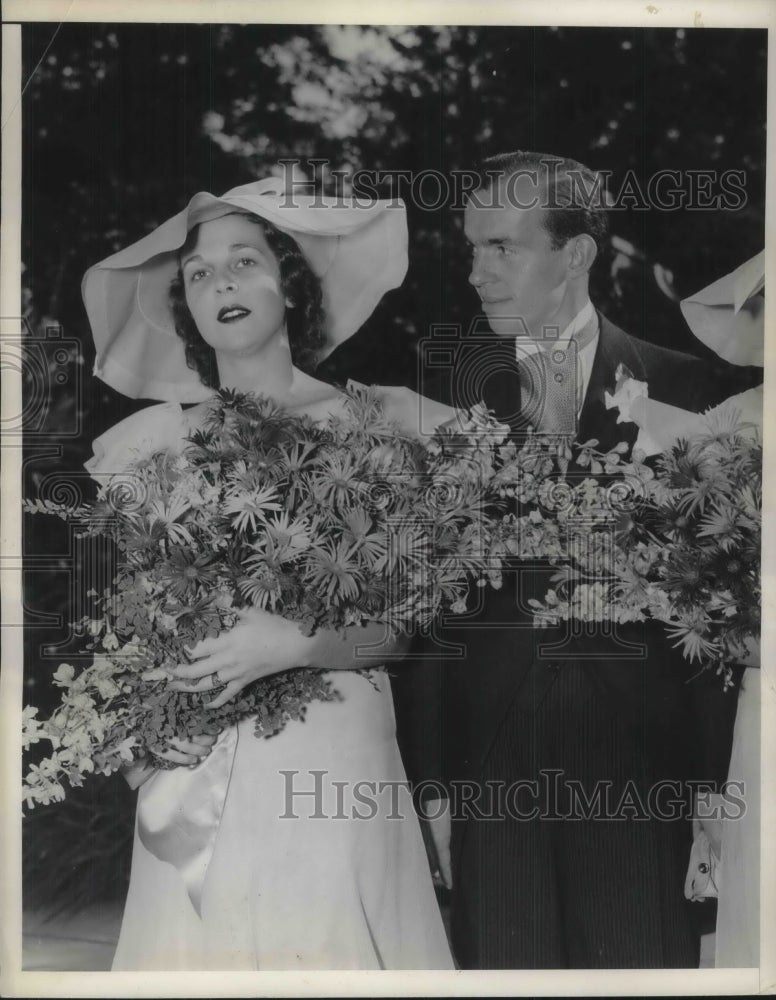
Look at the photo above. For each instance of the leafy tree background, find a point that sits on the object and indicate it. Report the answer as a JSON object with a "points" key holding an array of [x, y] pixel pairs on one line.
{"points": [[124, 123]]}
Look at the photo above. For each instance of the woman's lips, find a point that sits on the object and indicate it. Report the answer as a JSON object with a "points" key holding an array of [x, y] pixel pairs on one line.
{"points": [[230, 314]]}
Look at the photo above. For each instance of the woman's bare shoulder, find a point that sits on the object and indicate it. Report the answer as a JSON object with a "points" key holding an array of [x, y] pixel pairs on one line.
{"points": [[416, 414], [196, 415]]}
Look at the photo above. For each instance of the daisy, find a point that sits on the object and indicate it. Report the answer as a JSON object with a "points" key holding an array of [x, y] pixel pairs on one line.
{"points": [[186, 572], [167, 514], [249, 508], [333, 572], [335, 481]]}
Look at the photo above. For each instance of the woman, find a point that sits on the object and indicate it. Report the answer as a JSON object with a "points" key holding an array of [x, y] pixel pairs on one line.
{"points": [[728, 317], [259, 854]]}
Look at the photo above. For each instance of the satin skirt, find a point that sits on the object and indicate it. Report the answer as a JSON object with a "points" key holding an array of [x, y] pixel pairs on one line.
{"points": [[315, 860], [738, 911]]}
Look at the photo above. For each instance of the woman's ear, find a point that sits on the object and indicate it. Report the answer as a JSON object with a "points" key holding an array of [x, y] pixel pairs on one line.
{"points": [[290, 304]]}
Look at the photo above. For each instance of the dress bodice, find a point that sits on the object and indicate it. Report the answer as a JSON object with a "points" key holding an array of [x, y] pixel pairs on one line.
{"points": [[156, 428]]}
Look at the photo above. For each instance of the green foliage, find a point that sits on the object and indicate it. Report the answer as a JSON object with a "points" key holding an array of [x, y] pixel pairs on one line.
{"points": [[329, 526], [123, 123], [683, 550]]}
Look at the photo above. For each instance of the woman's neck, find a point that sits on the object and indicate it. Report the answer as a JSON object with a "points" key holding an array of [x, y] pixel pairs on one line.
{"points": [[268, 373]]}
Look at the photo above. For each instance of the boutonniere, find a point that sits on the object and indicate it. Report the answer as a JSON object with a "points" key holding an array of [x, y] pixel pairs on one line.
{"points": [[627, 390], [631, 398], [660, 424]]}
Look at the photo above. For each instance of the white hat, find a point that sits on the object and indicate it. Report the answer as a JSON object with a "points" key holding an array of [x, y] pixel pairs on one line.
{"points": [[358, 250], [727, 315]]}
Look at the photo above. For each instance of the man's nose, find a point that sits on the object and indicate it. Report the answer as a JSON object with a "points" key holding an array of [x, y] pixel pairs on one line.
{"points": [[479, 273]]}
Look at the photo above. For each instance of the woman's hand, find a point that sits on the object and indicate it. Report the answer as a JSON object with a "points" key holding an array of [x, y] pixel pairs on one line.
{"points": [[186, 753], [258, 645], [747, 654]]}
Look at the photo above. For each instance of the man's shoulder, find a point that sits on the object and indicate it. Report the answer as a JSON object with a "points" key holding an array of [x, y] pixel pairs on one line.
{"points": [[674, 376], [651, 355]]}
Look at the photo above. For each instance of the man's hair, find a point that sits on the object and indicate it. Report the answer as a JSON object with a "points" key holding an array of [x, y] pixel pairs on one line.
{"points": [[572, 194]]}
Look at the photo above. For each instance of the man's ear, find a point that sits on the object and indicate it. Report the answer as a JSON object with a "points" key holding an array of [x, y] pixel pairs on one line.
{"points": [[582, 252]]}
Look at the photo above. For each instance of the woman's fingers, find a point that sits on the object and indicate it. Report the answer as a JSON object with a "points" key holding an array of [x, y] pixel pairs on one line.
{"points": [[189, 747], [188, 752], [231, 689], [203, 667], [177, 757], [205, 646], [197, 684], [204, 739]]}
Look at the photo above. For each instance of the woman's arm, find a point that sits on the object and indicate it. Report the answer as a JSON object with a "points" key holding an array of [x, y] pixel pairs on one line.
{"points": [[261, 644]]}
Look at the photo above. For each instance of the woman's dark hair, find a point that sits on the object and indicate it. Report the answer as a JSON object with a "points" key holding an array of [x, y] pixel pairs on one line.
{"points": [[304, 319]]}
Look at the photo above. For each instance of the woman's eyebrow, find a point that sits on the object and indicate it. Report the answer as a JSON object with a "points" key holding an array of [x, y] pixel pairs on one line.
{"points": [[246, 246], [232, 246]]}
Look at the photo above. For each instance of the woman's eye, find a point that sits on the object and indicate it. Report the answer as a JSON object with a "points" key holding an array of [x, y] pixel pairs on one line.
{"points": [[197, 275], [245, 262]]}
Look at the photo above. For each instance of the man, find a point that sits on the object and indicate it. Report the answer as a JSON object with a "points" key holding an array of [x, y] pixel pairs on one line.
{"points": [[549, 743]]}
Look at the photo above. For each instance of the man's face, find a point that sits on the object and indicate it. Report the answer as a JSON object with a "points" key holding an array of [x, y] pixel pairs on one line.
{"points": [[520, 279]]}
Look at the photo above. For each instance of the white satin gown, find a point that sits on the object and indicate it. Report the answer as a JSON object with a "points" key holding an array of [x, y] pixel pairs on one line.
{"points": [[301, 851]]}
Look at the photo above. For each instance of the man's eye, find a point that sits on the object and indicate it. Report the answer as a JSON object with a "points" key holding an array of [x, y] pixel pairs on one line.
{"points": [[245, 261], [197, 275]]}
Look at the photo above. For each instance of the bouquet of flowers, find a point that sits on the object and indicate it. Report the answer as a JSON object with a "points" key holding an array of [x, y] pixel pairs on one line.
{"points": [[676, 539], [353, 521], [329, 526]]}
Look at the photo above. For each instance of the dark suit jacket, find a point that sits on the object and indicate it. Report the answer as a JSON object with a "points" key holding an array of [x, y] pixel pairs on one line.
{"points": [[456, 688]]}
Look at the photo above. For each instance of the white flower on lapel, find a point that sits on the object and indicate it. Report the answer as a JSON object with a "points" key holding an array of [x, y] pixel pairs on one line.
{"points": [[630, 398], [627, 389]]}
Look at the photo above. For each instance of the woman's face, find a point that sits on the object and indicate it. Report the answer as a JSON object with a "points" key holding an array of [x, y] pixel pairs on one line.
{"points": [[232, 285]]}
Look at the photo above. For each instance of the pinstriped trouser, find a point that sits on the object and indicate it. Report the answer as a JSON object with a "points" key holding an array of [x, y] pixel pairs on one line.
{"points": [[575, 893]]}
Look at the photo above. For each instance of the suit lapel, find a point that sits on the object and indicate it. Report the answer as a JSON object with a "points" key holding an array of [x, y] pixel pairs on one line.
{"points": [[595, 421]]}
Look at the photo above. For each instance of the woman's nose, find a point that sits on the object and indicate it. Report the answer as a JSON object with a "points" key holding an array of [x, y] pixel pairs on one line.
{"points": [[227, 282]]}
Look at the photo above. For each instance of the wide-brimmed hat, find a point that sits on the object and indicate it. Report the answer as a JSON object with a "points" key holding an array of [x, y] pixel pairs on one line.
{"points": [[358, 250], [728, 315]]}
